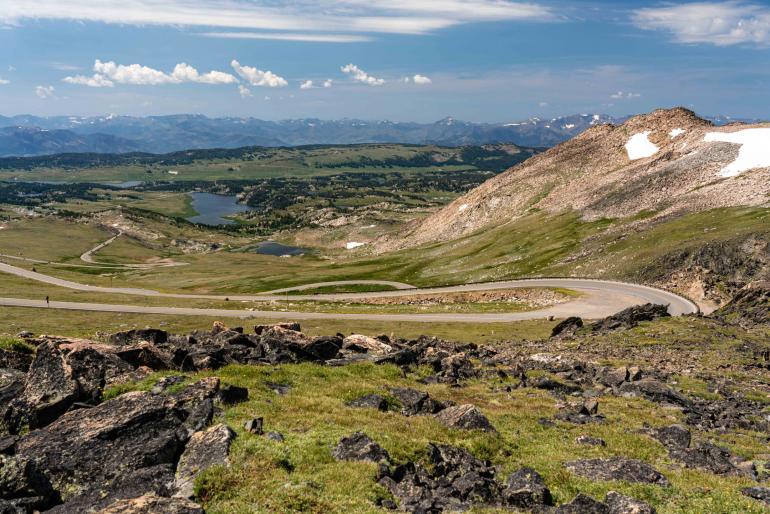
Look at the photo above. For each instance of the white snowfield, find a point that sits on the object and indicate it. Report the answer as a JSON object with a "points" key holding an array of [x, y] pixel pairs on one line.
{"points": [[676, 133], [640, 146], [754, 152], [352, 245]]}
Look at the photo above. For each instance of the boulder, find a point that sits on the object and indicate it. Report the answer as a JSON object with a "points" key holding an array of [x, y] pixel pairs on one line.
{"points": [[294, 327], [414, 402], [549, 384], [153, 504], [62, 373], [15, 360], [655, 391], [617, 468], [205, 449], [255, 426], [94, 451], [614, 377], [525, 489], [751, 306], [466, 417], [231, 394], [673, 436], [364, 344], [149, 335], [706, 456], [369, 401], [590, 441], [358, 446], [567, 327], [583, 504], [758, 493], [631, 317], [622, 504], [23, 483]]}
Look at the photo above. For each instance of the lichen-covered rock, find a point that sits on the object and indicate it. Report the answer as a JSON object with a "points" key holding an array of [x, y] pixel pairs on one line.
{"points": [[526, 489], [414, 402], [567, 327], [758, 493], [617, 468], [466, 417], [358, 446], [370, 401], [364, 344], [673, 436], [631, 317], [152, 504], [655, 391], [205, 449], [622, 504], [583, 504]]}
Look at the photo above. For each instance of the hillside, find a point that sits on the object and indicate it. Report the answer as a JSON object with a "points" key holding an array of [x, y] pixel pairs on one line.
{"points": [[665, 163]]}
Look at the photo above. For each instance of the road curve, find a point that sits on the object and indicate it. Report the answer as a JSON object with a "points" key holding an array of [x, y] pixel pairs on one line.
{"points": [[599, 298], [400, 286]]}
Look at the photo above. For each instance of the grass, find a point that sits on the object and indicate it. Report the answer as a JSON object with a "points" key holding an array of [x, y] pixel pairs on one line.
{"points": [[299, 475], [343, 288], [13, 344]]}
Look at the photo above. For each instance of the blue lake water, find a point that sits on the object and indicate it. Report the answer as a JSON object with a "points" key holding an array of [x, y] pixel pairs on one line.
{"points": [[212, 208], [277, 249]]}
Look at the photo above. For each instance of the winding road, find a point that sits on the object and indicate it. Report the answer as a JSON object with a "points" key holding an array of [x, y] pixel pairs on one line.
{"points": [[599, 298]]}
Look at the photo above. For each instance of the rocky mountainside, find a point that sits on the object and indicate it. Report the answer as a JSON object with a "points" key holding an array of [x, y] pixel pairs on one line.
{"points": [[36, 141], [664, 163]]}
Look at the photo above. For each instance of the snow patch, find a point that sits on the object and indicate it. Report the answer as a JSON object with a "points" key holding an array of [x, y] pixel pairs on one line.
{"points": [[676, 133], [569, 126], [462, 207], [640, 146], [754, 152], [352, 245]]}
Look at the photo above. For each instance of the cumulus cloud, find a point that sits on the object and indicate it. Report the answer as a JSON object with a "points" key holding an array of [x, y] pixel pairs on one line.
{"points": [[244, 91], [44, 91], [257, 77], [361, 76], [620, 95], [328, 83], [4, 81], [307, 16], [421, 80], [107, 74], [308, 84], [716, 23]]}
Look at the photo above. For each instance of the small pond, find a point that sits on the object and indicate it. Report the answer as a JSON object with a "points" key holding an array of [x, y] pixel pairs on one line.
{"points": [[212, 208], [277, 249]]}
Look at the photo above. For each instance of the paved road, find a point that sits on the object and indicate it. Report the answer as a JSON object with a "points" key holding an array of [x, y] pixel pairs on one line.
{"points": [[599, 298]]}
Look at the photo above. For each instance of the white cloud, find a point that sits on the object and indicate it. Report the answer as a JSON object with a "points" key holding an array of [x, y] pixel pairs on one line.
{"points": [[620, 95], [328, 83], [716, 23], [387, 16], [44, 91], [64, 66], [257, 77], [308, 84], [4, 81], [290, 36], [244, 91], [421, 80], [107, 74], [361, 76], [93, 81], [543, 104]]}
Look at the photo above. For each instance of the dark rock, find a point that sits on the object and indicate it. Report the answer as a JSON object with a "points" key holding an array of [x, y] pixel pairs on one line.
{"points": [[655, 391], [319, 349], [590, 407], [750, 306], [567, 327], [279, 389], [205, 449], [631, 317], [622, 504], [457, 481], [614, 377], [358, 446], [62, 373], [153, 504], [8, 444], [372, 401], [758, 493], [88, 450], [15, 360], [230, 394], [294, 327], [275, 436], [167, 382], [617, 468], [150, 335], [254, 426], [466, 417], [414, 402], [590, 441], [706, 456], [146, 354], [585, 413], [12, 384], [550, 384], [583, 504], [526, 489], [22, 479], [673, 436]]}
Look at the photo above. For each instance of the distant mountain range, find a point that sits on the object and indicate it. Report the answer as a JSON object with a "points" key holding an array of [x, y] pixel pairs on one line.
{"points": [[26, 135]]}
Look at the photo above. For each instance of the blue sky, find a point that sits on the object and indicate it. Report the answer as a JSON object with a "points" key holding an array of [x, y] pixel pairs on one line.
{"points": [[408, 60]]}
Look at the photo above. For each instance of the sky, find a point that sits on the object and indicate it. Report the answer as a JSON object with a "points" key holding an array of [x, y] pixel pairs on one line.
{"points": [[401, 60]]}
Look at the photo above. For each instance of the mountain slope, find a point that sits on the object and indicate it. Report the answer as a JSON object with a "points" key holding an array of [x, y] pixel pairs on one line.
{"points": [[662, 163], [23, 141]]}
